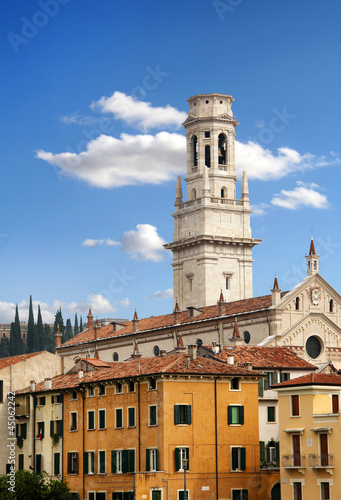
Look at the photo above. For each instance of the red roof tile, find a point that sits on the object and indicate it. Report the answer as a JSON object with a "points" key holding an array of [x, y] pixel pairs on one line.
{"points": [[12, 360], [263, 357], [312, 379]]}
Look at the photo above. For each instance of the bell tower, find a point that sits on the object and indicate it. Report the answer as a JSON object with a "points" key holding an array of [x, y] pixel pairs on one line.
{"points": [[212, 244]]}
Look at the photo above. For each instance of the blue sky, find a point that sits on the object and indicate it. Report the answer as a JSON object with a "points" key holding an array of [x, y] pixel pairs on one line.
{"points": [[93, 95]]}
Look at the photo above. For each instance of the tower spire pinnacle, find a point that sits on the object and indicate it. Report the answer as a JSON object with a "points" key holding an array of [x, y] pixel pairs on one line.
{"points": [[206, 183], [178, 191]]}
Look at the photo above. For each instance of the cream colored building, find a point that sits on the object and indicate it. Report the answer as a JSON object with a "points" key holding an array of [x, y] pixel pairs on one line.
{"points": [[310, 434]]}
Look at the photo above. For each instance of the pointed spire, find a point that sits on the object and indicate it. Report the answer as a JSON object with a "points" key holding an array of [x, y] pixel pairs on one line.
{"points": [[221, 297], [206, 183], [245, 187], [221, 304], [312, 247], [135, 322], [90, 318], [96, 328], [136, 354], [236, 333], [178, 191], [276, 293], [275, 287], [176, 313], [96, 356]]}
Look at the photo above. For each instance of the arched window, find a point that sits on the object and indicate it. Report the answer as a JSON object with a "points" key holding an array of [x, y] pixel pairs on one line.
{"points": [[115, 356], [223, 192], [331, 305], [208, 156], [156, 350], [195, 150], [315, 265], [297, 303], [194, 194], [222, 146]]}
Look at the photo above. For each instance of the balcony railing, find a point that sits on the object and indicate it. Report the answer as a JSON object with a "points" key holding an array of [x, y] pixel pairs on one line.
{"points": [[295, 460], [320, 461]]}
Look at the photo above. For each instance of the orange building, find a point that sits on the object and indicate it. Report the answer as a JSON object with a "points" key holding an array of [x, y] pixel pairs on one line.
{"points": [[131, 431]]}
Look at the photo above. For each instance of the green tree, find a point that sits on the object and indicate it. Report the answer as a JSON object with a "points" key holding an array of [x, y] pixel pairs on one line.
{"points": [[75, 326], [31, 486], [32, 335], [58, 321], [40, 330], [80, 325], [17, 345], [68, 331], [48, 339], [4, 347]]}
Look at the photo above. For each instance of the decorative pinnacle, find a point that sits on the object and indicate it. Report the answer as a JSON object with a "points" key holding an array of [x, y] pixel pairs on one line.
{"points": [[275, 287], [312, 247], [178, 191], [245, 187]]}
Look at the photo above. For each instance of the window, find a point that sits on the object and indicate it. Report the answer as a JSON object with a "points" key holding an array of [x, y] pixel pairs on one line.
{"points": [[20, 461], [270, 379], [131, 386], [152, 415], [285, 376], [295, 406], [73, 396], [296, 447], [56, 464], [119, 388], [297, 491], [235, 415], [247, 337], [22, 430], [91, 420], [59, 427], [222, 149], [101, 419], [238, 458], [72, 463], [297, 304], [323, 445], [227, 283], [240, 494], [207, 134], [151, 459], [325, 491], [180, 455], [208, 156], [91, 495], [181, 495], [122, 461], [119, 418], [331, 309], [120, 495], [195, 150], [152, 383], [271, 414], [101, 459], [38, 463], [115, 356], [131, 417], [40, 433], [41, 401], [56, 399], [182, 414], [335, 403], [234, 384], [156, 350], [89, 462], [101, 390], [261, 388], [313, 347], [91, 391], [73, 421]]}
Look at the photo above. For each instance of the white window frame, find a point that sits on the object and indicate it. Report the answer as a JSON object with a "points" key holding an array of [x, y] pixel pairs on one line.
{"points": [[94, 427], [105, 462], [116, 410], [73, 413], [119, 461], [182, 454], [129, 408], [152, 459], [105, 419], [91, 453]]}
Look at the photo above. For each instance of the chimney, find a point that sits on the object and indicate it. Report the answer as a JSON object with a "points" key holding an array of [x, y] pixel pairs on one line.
{"points": [[57, 338], [136, 354], [276, 293], [48, 384], [80, 373], [221, 304], [96, 328], [176, 313], [96, 355], [135, 323], [188, 361], [162, 353], [192, 351], [248, 366], [230, 360], [90, 319], [32, 385]]}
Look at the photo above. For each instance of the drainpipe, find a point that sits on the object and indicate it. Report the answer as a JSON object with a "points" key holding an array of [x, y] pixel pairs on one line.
{"points": [[34, 436], [216, 437], [139, 430]]}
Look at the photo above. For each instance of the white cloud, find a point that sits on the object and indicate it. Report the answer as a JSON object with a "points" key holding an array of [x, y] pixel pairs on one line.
{"points": [[79, 119], [125, 302], [139, 113], [304, 195], [258, 210], [144, 243], [262, 164], [109, 162], [100, 304], [162, 294], [7, 311], [96, 243]]}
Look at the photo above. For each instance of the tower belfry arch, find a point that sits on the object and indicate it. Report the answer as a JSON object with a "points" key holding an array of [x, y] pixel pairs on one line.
{"points": [[212, 243]]}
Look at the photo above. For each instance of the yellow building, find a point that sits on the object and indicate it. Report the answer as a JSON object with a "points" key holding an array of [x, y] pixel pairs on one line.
{"points": [[310, 435], [131, 431]]}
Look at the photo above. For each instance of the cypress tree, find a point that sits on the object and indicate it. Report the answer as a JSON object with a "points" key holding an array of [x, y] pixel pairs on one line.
{"points": [[68, 330], [58, 320], [49, 339], [13, 341], [40, 331], [80, 325], [75, 326], [21, 343], [31, 330], [4, 347]]}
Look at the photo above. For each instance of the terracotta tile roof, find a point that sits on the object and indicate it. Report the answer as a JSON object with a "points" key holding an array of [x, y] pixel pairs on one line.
{"points": [[13, 360], [98, 362], [167, 320], [312, 379], [175, 364], [263, 357]]}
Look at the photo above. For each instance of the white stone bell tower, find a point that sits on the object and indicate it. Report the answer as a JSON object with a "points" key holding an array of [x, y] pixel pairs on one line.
{"points": [[212, 247]]}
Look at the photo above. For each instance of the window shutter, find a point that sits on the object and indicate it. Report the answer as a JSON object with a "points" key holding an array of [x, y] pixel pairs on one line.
{"points": [[288, 376], [282, 377], [177, 459], [125, 461], [38, 464], [242, 458], [176, 414], [189, 414], [262, 450], [69, 458], [277, 450], [56, 463], [76, 471], [51, 428], [113, 461], [275, 378], [266, 382], [85, 462], [156, 460], [35, 400], [241, 415], [52, 399], [268, 453], [60, 427], [24, 431], [234, 456], [245, 494], [102, 461], [236, 495], [131, 460], [229, 415], [260, 388], [43, 399], [61, 397], [21, 461], [42, 429], [187, 454], [147, 459]]}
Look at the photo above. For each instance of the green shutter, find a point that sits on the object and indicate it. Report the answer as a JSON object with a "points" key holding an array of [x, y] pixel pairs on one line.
{"points": [[229, 415], [102, 461], [177, 459], [56, 463], [242, 458], [125, 461], [38, 464], [262, 450], [266, 381], [147, 459], [113, 461], [176, 414], [282, 377], [288, 376], [43, 400], [35, 401], [24, 431], [241, 415], [234, 457], [85, 462], [267, 453], [245, 494], [275, 378], [102, 419], [260, 388], [131, 460], [235, 495], [189, 414], [21, 461], [51, 428], [60, 427]]}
